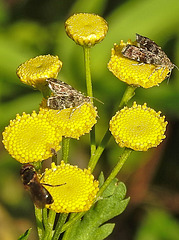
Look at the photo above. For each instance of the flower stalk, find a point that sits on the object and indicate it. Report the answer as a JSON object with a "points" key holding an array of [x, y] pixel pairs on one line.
{"points": [[40, 228], [88, 72], [49, 225], [59, 226], [89, 92], [65, 149], [126, 153]]}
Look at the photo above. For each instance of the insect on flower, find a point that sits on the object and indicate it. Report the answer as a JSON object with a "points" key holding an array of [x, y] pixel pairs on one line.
{"points": [[147, 51], [65, 96], [40, 195]]}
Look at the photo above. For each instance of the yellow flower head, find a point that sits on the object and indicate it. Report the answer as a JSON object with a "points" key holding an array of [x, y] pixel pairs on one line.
{"points": [[35, 71], [77, 192], [86, 29], [138, 127], [30, 138], [75, 122], [133, 73]]}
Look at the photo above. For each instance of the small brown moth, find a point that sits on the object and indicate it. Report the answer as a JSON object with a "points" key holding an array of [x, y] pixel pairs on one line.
{"points": [[65, 96], [147, 51]]}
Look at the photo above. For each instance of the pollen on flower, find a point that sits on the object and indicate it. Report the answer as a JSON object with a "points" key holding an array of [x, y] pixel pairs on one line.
{"points": [[30, 138], [75, 122], [86, 29], [133, 72], [138, 127], [35, 71], [77, 191]]}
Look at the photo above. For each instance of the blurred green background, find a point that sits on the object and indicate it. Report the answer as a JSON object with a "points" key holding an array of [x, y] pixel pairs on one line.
{"points": [[36, 27]]}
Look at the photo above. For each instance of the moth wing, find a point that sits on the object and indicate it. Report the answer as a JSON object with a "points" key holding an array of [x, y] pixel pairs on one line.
{"points": [[58, 87], [148, 44], [138, 54], [60, 102]]}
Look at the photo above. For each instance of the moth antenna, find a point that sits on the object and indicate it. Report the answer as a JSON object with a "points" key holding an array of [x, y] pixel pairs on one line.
{"points": [[97, 100], [176, 67]]}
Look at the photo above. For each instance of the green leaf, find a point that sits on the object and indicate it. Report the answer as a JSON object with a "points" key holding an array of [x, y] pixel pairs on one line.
{"points": [[93, 226], [104, 231], [101, 179], [25, 235]]}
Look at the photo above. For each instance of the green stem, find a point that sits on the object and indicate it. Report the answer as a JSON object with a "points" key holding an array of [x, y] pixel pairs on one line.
{"points": [[71, 222], [115, 170], [44, 89], [65, 149], [49, 226], [38, 215], [68, 231], [88, 72], [95, 157], [128, 94], [89, 93], [60, 224], [93, 141], [45, 218]]}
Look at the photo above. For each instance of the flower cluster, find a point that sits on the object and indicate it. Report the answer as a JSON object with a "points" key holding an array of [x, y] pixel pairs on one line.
{"points": [[35, 137]]}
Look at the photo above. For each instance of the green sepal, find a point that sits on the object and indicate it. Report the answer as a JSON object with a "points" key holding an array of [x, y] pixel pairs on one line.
{"points": [[25, 235]]}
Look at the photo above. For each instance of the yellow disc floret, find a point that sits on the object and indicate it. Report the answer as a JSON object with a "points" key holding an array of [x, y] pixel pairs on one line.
{"points": [[133, 72], [30, 138], [75, 122], [86, 29], [78, 189], [138, 127], [35, 71]]}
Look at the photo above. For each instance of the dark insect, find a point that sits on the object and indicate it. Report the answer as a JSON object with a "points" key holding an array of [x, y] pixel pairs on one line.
{"points": [[40, 195], [65, 96], [147, 51]]}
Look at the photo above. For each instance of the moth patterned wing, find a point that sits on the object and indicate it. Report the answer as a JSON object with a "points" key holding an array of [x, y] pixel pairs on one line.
{"points": [[160, 57], [58, 87], [65, 96], [148, 44], [63, 102], [138, 54], [55, 103]]}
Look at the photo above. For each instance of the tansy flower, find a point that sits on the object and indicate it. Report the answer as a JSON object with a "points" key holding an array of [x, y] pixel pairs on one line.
{"points": [[30, 138], [75, 122], [86, 29], [77, 192], [35, 71], [132, 72], [138, 127]]}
